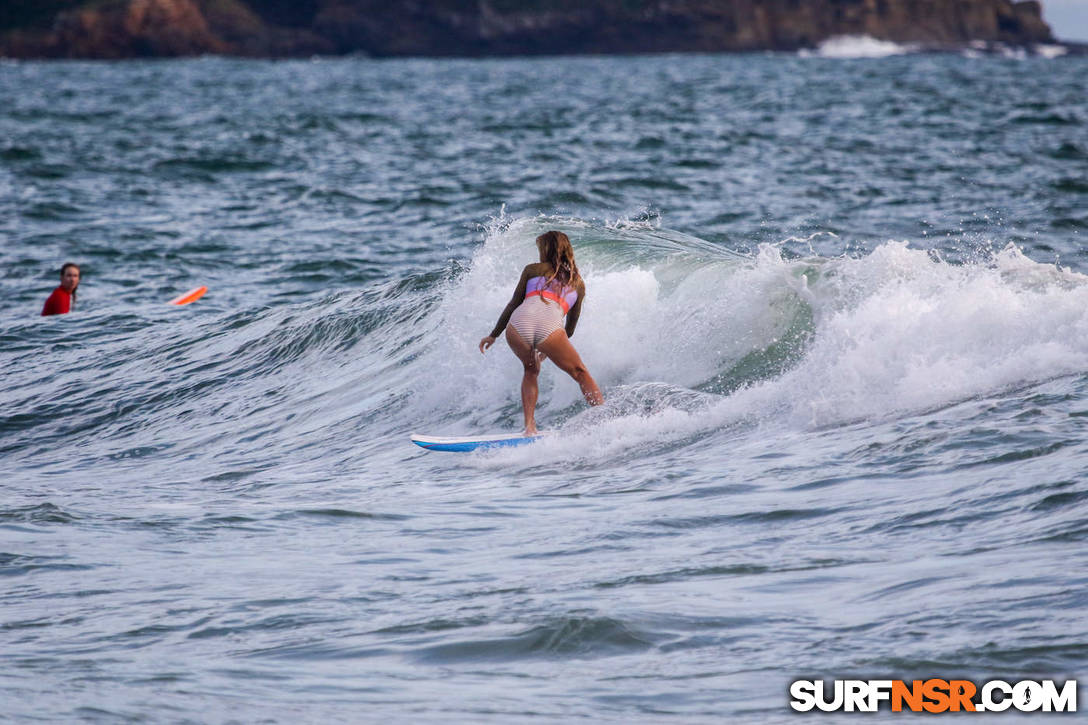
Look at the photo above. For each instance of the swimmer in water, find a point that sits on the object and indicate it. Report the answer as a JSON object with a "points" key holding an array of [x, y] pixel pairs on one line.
{"points": [[547, 291], [63, 298]]}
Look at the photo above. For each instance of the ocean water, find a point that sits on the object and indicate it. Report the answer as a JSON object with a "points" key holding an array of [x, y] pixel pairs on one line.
{"points": [[838, 308]]}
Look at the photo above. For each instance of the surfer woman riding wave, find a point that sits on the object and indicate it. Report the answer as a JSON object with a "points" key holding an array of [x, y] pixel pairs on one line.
{"points": [[547, 290]]}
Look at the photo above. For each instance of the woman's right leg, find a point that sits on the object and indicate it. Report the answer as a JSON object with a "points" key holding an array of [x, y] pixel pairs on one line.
{"points": [[529, 388], [559, 350]]}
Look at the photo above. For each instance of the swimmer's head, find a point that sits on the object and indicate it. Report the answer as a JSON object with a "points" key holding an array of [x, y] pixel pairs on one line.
{"points": [[69, 276], [555, 249]]}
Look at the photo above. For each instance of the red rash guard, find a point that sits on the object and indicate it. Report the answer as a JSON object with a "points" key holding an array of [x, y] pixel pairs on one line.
{"points": [[59, 303]]}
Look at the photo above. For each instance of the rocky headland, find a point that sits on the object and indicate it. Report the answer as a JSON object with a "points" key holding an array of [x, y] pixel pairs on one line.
{"points": [[286, 28]]}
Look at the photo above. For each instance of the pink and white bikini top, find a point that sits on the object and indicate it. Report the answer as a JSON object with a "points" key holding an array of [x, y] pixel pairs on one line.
{"points": [[566, 296]]}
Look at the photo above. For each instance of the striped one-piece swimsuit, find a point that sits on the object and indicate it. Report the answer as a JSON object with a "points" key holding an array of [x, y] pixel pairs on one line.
{"points": [[543, 310]]}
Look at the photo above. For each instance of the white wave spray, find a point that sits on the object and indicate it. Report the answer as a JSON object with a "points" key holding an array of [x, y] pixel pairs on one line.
{"points": [[687, 339]]}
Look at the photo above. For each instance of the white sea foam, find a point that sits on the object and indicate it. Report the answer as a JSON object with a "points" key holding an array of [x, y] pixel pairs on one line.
{"points": [[1006, 51], [893, 332], [982, 49], [856, 46], [1051, 51], [659, 308], [900, 331]]}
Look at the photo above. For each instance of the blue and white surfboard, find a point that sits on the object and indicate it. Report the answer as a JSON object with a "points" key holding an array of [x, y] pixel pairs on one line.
{"points": [[471, 443]]}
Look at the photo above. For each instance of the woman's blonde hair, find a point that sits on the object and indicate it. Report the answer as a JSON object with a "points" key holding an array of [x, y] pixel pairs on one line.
{"points": [[556, 250]]}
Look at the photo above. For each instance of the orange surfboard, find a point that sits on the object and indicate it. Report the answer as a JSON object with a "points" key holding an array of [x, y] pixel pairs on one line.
{"points": [[191, 296]]}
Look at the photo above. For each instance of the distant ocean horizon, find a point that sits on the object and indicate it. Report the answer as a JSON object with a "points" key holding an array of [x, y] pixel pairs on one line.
{"points": [[837, 303]]}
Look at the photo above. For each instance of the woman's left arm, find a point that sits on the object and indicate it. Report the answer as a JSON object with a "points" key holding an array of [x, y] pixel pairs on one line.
{"points": [[572, 316]]}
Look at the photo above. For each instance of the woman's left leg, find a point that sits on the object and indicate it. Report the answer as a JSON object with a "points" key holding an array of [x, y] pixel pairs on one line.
{"points": [[530, 390], [559, 350]]}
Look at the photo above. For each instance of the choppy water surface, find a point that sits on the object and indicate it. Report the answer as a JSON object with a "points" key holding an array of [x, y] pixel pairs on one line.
{"points": [[839, 309]]}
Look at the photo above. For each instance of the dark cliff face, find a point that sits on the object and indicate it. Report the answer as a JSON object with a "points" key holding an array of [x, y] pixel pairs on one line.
{"points": [[128, 28]]}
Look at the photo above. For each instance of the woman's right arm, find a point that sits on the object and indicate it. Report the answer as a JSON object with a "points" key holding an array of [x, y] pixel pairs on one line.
{"points": [[504, 318]]}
